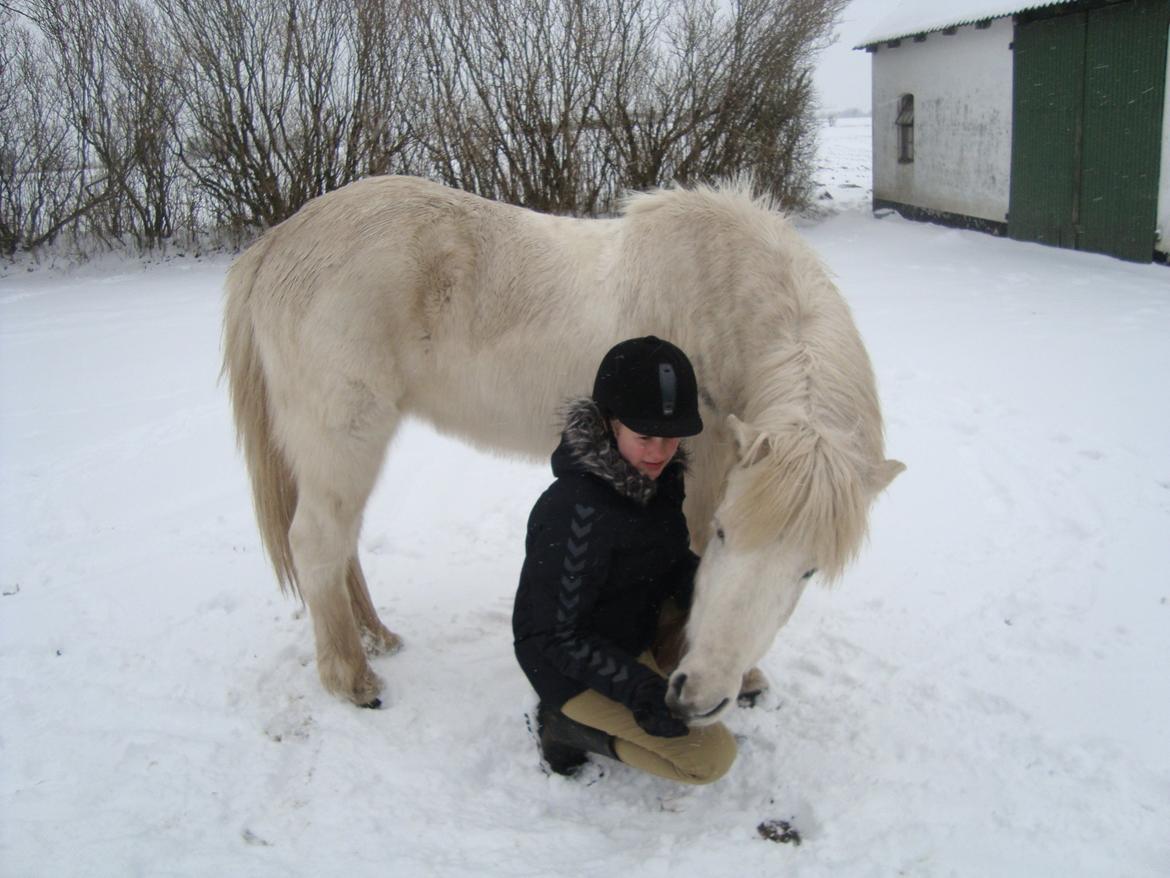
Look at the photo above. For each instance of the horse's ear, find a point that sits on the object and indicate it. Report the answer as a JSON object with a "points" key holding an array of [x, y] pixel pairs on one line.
{"points": [[751, 445], [884, 473]]}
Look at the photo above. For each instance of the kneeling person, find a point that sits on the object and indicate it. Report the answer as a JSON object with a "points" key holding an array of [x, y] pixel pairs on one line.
{"points": [[607, 549]]}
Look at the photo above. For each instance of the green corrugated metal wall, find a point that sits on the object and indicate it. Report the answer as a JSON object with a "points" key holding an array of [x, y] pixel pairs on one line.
{"points": [[1125, 73], [1087, 128], [1048, 79]]}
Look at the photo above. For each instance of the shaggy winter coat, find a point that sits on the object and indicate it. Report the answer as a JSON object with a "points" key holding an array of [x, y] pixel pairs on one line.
{"points": [[606, 547]]}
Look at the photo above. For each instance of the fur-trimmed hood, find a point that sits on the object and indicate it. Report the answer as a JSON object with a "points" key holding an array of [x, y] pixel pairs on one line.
{"points": [[588, 446]]}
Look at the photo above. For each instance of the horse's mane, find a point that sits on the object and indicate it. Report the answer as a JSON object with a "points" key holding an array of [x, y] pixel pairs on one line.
{"points": [[738, 198], [814, 401], [811, 394], [804, 490]]}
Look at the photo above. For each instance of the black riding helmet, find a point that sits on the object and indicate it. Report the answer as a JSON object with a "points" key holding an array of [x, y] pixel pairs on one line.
{"points": [[649, 385]]}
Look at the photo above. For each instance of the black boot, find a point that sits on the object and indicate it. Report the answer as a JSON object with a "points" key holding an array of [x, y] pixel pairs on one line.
{"points": [[564, 742]]}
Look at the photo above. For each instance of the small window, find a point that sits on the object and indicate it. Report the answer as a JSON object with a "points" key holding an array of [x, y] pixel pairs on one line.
{"points": [[905, 123]]}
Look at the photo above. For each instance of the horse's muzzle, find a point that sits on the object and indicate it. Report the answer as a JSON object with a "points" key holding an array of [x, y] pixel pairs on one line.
{"points": [[684, 711]]}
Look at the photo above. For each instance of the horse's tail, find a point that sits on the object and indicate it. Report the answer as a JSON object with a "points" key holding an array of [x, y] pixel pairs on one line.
{"points": [[274, 488]]}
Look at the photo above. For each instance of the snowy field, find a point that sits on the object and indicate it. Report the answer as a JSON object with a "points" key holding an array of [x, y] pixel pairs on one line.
{"points": [[986, 693]]}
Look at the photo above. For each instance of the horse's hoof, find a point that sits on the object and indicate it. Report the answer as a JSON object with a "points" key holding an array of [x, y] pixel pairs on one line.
{"points": [[749, 699], [372, 705], [363, 688], [753, 687]]}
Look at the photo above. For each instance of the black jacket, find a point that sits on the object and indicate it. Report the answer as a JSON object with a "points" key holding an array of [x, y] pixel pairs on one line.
{"points": [[606, 547]]}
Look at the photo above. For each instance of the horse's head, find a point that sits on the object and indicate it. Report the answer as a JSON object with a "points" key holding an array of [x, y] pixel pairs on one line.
{"points": [[796, 506]]}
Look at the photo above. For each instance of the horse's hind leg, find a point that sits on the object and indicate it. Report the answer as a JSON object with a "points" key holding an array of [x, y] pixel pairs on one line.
{"points": [[335, 471], [376, 637]]}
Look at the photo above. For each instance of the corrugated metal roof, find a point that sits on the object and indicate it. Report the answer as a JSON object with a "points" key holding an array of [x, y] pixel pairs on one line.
{"points": [[926, 16]]}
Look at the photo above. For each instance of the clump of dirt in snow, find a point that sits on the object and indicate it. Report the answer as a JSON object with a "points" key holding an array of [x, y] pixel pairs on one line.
{"points": [[779, 831]]}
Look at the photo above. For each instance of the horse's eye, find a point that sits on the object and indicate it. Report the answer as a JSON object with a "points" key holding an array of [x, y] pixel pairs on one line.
{"points": [[719, 533], [809, 575]]}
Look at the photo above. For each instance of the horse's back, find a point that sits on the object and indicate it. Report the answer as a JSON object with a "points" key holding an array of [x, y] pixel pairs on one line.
{"points": [[483, 317], [436, 301]]}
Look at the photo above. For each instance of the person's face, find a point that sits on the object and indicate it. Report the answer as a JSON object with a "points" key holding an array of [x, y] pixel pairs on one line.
{"points": [[649, 455]]}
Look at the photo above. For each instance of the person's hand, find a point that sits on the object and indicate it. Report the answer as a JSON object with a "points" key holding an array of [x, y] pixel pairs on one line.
{"points": [[651, 713]]}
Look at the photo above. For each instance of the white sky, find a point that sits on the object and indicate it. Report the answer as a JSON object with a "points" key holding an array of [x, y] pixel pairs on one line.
{"points": [[842, 74]]}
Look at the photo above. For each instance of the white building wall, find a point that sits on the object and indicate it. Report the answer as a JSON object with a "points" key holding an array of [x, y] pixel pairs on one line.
{"points": [[962, 87], [1163, 243]]}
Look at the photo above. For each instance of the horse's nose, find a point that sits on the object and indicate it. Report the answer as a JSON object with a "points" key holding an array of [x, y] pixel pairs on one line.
{"points": [[677, 684]]}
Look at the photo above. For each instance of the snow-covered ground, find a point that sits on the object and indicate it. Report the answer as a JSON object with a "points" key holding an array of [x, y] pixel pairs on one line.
{"points": [[987, 693]]}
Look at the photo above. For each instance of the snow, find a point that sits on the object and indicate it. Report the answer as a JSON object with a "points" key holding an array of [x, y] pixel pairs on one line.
{"points": [[986, 693], [924, 16]]}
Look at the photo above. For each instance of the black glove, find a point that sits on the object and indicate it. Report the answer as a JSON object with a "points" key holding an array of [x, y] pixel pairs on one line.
{"points": [[648, 704]]}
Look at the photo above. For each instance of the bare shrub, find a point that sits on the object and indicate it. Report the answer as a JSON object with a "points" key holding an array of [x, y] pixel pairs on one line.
{"points": [[42, 190], [147, 120], [558, 106], [288, 99], [726, 94], [111, 65], [514, 86]]}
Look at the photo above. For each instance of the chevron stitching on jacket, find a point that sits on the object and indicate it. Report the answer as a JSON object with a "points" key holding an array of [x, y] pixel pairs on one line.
{"points": [[569, 601], [574, 564]]}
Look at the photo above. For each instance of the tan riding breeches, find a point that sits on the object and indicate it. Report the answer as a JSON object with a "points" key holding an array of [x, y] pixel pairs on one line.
{"points": [[703, 755]]}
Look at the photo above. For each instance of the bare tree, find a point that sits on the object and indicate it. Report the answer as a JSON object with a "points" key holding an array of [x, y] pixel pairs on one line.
{"points": [[385, 82], [514, 86], [145, 110], [726, 94], [559, 106], [288, 99], [41, 186], [112, 66], [134, 118]]}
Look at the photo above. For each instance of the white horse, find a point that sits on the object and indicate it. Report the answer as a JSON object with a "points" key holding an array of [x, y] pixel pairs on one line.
{"points": [[396, 296]]}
